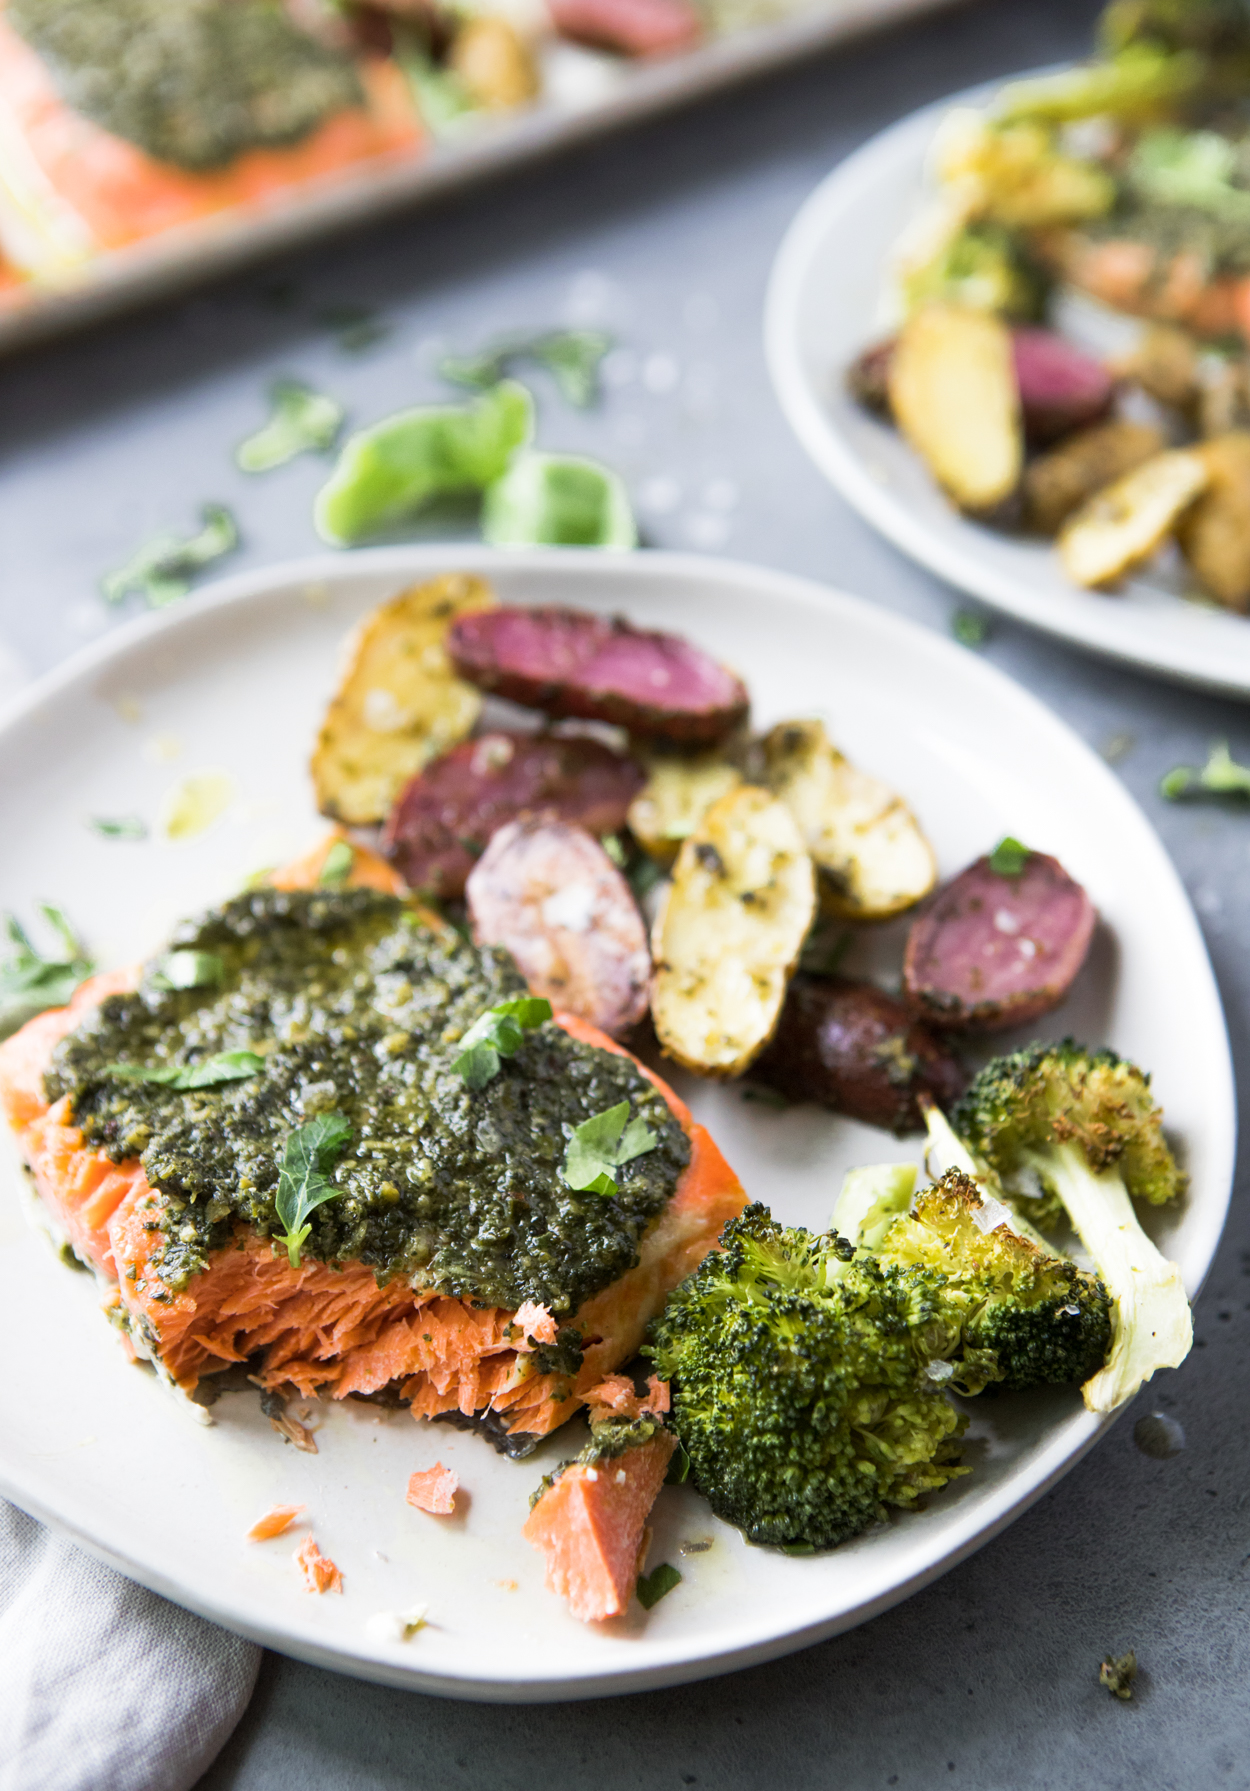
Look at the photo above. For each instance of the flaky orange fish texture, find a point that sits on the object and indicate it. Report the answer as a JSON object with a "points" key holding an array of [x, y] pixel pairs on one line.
{"points": [[332, 1330]]}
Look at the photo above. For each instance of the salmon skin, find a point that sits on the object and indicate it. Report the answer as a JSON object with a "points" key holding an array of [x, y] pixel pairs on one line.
{"points": [[329, 1328]]}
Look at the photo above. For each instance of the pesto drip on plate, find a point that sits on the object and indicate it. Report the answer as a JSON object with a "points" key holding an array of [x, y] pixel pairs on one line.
{"points": [[192, 82], [356, 1007]]}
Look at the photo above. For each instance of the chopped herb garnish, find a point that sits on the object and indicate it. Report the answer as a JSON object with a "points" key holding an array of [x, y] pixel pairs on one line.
{"points": [[496, 1034], [337, 867], [572, 357], [163, 568], [303, 422], [678, 1467], [1220, 776], [970, 627], [189, 970], [227, 1066], [611, 843], [302, 1183], [356, 327], [443, 99], [824, 950], [654, 1586], [1009, 857], [765, 1097], [1117, 1673], [30, 982], [604, 1143], [558, 500], [118, 827]]}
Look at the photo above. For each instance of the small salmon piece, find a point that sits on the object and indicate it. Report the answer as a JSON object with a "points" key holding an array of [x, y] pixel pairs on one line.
{"points": [[369, 870], [327, 1329], [119, 195], [615, 1397], [320, 1573], [434, 1490], [274, 1523], [591, 1525]]}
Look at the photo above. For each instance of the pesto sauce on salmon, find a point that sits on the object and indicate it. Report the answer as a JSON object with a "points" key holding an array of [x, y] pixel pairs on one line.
{"points": [[192, 82], [357, 1007]]}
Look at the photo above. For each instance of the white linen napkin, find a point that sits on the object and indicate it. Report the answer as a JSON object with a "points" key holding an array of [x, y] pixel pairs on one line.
{"points": [[105, 1686]]}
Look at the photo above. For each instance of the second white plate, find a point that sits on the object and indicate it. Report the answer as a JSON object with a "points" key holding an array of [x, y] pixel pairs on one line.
{"points": [[823, 308]]}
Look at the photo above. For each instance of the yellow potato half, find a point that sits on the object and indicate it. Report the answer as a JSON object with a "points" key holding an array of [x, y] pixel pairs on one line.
{"points": [[729, 936], [875, 860], [399, 704]]}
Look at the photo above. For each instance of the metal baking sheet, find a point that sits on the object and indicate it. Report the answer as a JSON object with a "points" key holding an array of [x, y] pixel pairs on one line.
{"points": [[115, 280]]}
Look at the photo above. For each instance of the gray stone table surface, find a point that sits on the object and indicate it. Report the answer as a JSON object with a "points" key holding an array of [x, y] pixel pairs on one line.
{"points": [[665, 236]]}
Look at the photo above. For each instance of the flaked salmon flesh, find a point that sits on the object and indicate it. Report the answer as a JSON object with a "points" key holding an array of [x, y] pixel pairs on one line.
{"points": [[330, 1329]]}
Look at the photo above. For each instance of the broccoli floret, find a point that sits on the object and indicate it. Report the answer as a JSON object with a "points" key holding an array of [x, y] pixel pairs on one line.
{"points": [[1080, 1129], [803, 1383], [1038, 1315]]}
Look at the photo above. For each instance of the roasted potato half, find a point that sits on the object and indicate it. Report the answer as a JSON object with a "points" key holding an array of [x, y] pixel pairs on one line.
{"points": [[1058, 483], [677, 794], [730, 933], [1215, 534], [400, 704], [954, 395], [873, 858], [1126, 523]]}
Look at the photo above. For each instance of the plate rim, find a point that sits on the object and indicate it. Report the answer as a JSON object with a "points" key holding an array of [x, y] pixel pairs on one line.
{"points": [[1103, 627], [1059, 1453]]}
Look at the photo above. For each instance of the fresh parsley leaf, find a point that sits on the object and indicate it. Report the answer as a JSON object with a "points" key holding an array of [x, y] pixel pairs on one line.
{"points": [[572, 357], [189, 970], [162, 568], [30, 980], [1220, 776], [302, 422], [496, 1034], [604, 1143], [356, 327], [118, 827], [311, 1151], [337, 866], [227, 1066], [970, 627], [654, 1586], [1009, 857], [678, 1467]]}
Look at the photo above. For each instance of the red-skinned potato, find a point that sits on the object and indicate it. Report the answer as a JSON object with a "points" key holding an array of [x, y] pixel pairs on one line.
{"points": [[568, 662], [992, 951], [551, 896], [447, 814], [854, 1048], [1061, 387]]}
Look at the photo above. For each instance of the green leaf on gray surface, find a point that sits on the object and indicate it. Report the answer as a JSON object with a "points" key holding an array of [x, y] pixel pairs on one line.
{"points": [[572, 357], [302, 422], [162, 569], [1220, 776]]}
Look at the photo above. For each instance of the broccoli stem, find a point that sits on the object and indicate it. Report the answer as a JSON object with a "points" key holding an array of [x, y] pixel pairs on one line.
{"points": [[1150, 1318], [945, 1149]]}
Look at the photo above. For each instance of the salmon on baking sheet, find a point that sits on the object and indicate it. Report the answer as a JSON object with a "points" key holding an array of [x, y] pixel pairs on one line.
{"points": [[452, 1268], [70, 187]]}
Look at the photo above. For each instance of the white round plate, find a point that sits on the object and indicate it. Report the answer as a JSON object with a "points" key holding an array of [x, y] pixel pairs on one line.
{"points": [[824, 306], [234, 681]]}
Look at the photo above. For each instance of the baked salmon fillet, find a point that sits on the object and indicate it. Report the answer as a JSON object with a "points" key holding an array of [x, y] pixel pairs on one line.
{"points": [[452, 1268], [70, 186]]}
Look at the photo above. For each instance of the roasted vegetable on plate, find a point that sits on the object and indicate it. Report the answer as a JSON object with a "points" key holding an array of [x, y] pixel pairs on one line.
{"points": [[1127, 182]]}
